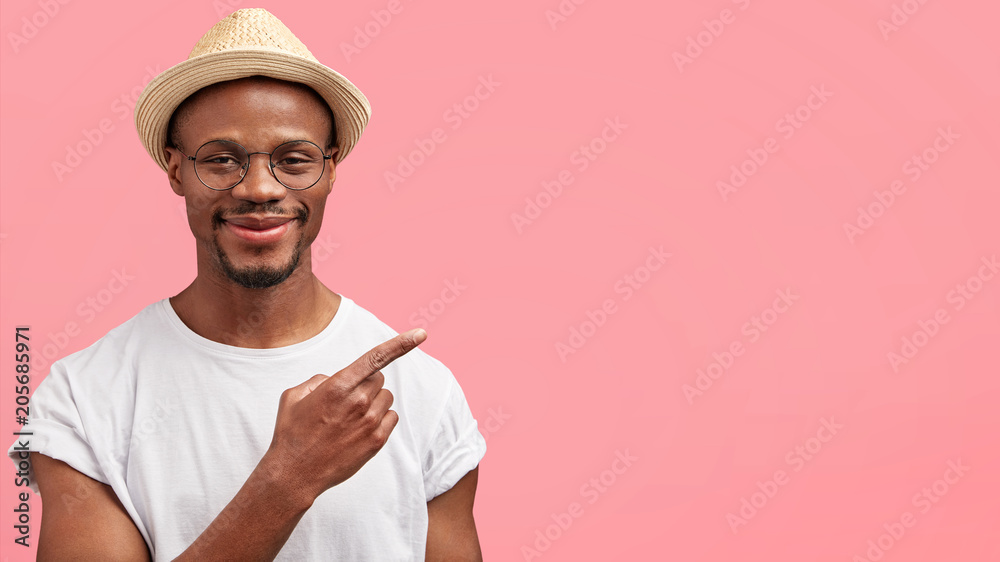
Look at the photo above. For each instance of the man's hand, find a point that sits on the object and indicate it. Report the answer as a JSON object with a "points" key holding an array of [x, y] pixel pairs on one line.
{"points": [[329, 426]]}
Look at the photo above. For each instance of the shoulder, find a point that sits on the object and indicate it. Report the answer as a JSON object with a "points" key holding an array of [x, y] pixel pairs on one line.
{"points": [[82, 410], [426, 392], [115, 348], [434, 414]]}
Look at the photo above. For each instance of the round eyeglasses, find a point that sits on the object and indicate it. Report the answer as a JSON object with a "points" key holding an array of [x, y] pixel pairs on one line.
{"points": [[222, 164]]}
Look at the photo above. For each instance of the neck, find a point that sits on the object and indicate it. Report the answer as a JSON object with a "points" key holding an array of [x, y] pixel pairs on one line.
{"points": [[220, 310]]}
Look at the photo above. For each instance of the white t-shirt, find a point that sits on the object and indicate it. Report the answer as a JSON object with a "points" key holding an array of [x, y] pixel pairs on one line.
{"points": [[175, 423]]}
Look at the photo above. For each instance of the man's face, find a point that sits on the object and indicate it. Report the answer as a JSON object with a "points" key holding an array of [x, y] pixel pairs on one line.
{"points": [[258, 233]]}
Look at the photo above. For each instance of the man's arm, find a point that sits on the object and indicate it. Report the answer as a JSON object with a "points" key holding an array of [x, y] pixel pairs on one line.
{"points": [[327, 428], [82, 519], [451, 528]]}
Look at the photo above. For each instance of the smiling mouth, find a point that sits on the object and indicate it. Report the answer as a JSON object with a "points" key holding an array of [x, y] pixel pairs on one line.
{"points": [[258, 223], [259, 230]]}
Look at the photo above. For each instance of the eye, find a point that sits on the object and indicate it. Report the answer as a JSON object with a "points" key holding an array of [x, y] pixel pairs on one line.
{"points": [[221, 159], [221, 156], [293, 159], [220, 162], [297, 158]]}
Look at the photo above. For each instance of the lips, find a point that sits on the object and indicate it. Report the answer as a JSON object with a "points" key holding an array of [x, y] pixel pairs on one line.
{"points": [[258, 230]]}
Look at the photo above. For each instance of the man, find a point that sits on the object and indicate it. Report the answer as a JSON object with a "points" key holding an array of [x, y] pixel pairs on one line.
{"points": [[200, 429]]}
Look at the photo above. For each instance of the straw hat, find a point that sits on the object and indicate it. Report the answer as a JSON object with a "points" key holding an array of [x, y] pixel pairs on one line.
{"points": [[248, 42]]}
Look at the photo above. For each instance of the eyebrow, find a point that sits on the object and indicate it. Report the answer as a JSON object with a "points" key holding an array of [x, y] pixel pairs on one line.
{"points": [[280, 142]]}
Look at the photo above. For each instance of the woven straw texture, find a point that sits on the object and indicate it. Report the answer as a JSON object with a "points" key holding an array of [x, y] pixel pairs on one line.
{"points": [[248, 42]]}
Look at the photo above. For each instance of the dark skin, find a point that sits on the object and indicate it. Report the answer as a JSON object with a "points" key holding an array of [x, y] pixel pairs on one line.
{"points": [[327, 427]]}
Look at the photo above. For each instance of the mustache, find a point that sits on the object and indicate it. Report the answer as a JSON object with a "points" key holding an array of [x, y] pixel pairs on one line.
{"points": [[248, 208]]}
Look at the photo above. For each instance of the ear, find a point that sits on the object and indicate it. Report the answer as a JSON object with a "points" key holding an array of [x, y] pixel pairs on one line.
{"points": [[333, 169], [175, 162]]}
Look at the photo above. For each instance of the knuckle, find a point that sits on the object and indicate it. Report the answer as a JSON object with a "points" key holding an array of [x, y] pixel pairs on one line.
{"points": [[360, 403], [379, 438], [337, 390], [377, 358], [371, 419]]}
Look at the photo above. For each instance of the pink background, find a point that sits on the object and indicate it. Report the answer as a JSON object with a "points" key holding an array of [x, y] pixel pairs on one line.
{"points": [[553, 420]]}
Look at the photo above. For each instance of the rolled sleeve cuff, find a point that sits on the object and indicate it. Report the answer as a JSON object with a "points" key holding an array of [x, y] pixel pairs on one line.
{"points": [[59, 442]]}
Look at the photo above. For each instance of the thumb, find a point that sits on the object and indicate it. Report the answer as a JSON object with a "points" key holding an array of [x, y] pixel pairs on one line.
{"points": [[311, 384], [302, 390]]}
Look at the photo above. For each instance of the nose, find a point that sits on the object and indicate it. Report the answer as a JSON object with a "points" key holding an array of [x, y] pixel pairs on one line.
{"points": [[259, 184]]}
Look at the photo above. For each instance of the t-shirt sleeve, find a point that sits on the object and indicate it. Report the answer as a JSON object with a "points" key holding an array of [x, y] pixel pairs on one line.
{"points": [[56, 428], [456, 446]]}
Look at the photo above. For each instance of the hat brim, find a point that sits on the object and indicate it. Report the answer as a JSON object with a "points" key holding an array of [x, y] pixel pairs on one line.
{"points": [[164, 93]]}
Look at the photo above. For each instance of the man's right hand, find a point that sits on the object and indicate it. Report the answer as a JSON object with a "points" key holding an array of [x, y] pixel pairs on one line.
{"points": [[329, 426]]}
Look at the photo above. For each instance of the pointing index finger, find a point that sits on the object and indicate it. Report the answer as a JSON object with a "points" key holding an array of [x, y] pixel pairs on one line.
{"points": [[380, 356]]}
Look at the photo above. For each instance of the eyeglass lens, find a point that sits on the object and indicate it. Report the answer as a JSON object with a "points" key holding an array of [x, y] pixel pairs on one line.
{"points": [[222, 164]]}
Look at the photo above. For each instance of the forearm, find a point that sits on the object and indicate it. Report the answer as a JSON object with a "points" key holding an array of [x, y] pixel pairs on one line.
{"points": [[255, 524]]}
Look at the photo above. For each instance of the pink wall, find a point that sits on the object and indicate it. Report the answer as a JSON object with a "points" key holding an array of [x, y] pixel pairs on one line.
{"points": [[671, 358]]}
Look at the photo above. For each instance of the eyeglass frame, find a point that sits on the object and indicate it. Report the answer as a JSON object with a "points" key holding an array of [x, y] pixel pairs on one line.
{"points": [[246, 168]]}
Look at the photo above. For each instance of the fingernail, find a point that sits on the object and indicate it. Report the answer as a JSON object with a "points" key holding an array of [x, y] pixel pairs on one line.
{"points": [[419, 335]]}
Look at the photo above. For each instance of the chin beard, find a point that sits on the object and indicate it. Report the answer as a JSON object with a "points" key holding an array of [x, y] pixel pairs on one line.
{"points": [[258, 277]]}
